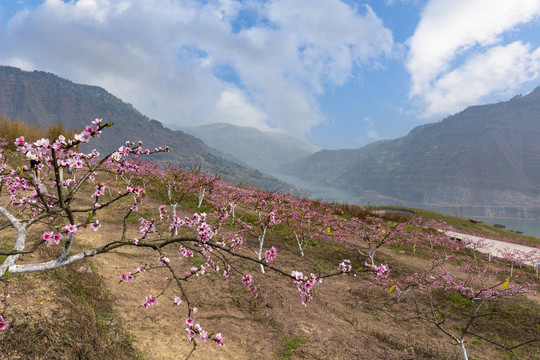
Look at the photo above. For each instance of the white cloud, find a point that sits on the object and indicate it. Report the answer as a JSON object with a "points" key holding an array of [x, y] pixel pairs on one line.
{"points": [[451, 39], [20, 63], [373, 135], [500, 69], [166, 57], [235, 109]]}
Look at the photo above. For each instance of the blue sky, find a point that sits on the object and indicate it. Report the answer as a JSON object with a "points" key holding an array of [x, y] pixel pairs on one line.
{"points": [[339, 73]]}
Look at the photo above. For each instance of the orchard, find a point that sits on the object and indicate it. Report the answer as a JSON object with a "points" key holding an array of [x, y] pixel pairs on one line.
{"points": [[238, 235]]}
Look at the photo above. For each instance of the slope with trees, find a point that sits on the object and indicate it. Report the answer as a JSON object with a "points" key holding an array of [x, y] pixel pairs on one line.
{"points": [[188, 270]]}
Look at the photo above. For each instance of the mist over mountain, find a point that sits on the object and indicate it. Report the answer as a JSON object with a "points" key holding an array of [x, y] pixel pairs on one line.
{"points": [[44, 98], [483, 161], [264, 150]]}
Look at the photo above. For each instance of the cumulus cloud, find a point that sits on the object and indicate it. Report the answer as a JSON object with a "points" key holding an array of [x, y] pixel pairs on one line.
{"points": [[195, 62], [458, 50], [501, 68]]}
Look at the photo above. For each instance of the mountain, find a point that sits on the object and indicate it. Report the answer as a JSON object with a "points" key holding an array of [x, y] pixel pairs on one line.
{"points": [[44, 98], [264, 150], [484, 161]]}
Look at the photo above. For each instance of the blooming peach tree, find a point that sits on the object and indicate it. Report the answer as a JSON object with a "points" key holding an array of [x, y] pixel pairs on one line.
{"points": [[53, 211], [475, 286]]}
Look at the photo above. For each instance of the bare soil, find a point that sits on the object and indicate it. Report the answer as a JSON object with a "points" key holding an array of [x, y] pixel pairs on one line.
{"points": [[83, 312]]}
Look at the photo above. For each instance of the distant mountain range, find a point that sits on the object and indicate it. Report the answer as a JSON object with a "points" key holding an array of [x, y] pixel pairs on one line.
{"points": [[44, 98], [483, 161], [263, 150]]}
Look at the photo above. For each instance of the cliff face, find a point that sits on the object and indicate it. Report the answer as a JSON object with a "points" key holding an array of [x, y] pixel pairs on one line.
{"points": [[485, 156], [44, 98]]}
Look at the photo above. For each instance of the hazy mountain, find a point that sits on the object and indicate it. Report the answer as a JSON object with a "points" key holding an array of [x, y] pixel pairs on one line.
{"points": [[484, 160], [263, 150], [44, 98]]}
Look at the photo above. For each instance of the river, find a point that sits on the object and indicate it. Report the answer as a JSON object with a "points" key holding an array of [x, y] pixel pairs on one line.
{"points": [[330, 194], [528, 227]]}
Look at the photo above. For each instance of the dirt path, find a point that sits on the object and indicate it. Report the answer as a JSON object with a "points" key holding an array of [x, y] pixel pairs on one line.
{"points": [[496, 247]]}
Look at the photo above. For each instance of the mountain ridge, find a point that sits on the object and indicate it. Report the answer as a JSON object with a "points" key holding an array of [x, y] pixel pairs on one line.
{"points": [[484, 156], [45, 98], [264, 150]]}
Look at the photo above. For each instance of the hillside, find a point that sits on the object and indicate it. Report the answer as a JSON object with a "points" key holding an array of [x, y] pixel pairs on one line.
{"points": [[86, 310], [44, 98], [263, 150], [485, 159]]}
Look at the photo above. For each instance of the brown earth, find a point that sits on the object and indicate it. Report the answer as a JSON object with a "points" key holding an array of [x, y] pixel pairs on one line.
{"points": [[83, 312]]}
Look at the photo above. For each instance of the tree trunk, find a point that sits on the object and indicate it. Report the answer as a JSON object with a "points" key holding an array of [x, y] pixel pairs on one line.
{"points": [[261, 244], [463, 350]]}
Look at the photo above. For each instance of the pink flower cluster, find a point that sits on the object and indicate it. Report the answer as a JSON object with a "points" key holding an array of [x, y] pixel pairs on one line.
{"points": [[185, 252], [149, 301], [270, 254], [71, 228], [382, 271], [129, 277], [147, 227], [89, 132], [51, 238], [196, 271], [193, 330], [100, 190], [3, 324], [304, 285], [205, 232], [248, 281], [163, 213], [163, 261], [95, 225], [345, 266]]}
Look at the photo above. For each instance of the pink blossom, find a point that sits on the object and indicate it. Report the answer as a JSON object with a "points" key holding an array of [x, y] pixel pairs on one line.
{"points": [[188, 323], [149, 301], [70, 228], [219, 339], [246, 280], [129, 277], [345, 266], [95, 225], [19, 141], [185, 252], [270, 254], [203, 335], [56, 238], [164, 260], [3, 324], [47, 236]]}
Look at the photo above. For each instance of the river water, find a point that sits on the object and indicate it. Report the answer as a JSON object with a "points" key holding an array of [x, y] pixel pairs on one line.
{"points": [[330, 194], [528, 227]]}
